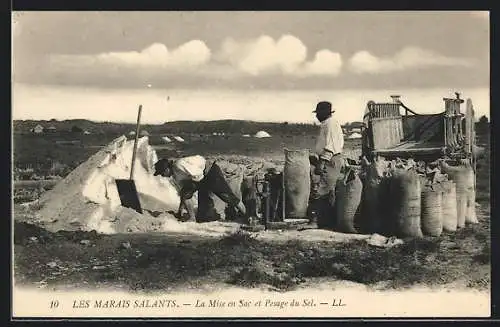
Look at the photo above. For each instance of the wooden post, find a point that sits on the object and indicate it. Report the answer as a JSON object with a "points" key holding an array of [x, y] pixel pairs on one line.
{"points": [[445, 123], [135, 142], [469, 116], [266, 195], [452, 122]]}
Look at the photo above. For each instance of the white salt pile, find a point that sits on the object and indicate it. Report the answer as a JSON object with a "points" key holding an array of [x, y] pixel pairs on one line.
{"points": [[88, 196], [125, 220], [178, 139], [88, 199]]}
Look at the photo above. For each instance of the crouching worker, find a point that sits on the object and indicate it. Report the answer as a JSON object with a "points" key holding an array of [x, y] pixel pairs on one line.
{"points": [[328, 163], [187, 173], [194, 174]]}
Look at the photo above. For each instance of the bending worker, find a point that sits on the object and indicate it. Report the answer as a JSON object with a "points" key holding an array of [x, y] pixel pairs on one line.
{"points": [[329, 163], [194, 174]]}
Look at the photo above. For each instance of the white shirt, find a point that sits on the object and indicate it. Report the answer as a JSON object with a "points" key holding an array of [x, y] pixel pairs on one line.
{"points": [[188, 169], [330, 139]]}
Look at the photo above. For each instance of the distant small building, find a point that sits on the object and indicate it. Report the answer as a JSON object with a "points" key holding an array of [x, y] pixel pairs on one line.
{"points": [[86, 132], [51, 129], [166, 139], [38, 129], [178, 139], [131, 133], [262, 134], [144, 133]]}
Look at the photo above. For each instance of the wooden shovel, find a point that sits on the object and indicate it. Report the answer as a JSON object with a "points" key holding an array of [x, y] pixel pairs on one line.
{"points": [[126, 187]]}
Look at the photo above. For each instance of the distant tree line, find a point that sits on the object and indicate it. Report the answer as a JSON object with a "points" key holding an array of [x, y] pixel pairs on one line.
{"points": [[175, 127], [237, 127]]}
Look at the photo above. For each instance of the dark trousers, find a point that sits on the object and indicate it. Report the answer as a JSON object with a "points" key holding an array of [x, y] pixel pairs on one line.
{"points": [[213, 182], [323, 192]]}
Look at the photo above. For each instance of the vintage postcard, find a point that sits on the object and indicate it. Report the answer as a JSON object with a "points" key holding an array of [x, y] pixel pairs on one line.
{"points": [[251, 164]]}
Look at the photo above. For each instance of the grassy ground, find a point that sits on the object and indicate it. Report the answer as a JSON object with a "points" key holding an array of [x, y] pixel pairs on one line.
{"points": [[164, 262], [159, 262]]}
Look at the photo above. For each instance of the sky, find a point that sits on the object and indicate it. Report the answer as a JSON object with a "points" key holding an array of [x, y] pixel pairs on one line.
{"points": [[242, 53]]}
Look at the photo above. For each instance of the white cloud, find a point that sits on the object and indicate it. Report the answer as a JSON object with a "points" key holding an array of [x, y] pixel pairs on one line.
{"points": [[408, 58], [263, 55], [287, 55], [191, 54], [325, 62]]}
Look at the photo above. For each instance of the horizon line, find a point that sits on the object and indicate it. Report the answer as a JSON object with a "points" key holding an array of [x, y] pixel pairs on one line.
{"points": [[167, 122]]}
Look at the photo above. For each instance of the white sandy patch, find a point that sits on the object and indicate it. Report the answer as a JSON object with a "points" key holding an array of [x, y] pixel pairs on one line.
{"points": [[321, 235]]}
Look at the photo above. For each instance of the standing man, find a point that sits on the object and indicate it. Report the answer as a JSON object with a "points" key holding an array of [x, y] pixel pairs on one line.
{"points": [[329, 146]]}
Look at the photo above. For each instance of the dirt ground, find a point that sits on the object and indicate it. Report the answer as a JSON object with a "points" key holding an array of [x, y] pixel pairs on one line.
{"points": [[164, 262], [140, 262]]}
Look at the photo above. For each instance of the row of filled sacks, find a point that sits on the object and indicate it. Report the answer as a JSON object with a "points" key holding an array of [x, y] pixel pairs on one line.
{"points": [[301, 181], [408, 204], [388, 197], [338, 210]]}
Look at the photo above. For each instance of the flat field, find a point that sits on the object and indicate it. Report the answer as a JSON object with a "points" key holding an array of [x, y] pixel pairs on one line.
{"points": [[167, 262]]}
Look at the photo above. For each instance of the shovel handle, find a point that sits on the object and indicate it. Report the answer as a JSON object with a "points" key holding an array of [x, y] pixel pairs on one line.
{"points": [[135, 142]]}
